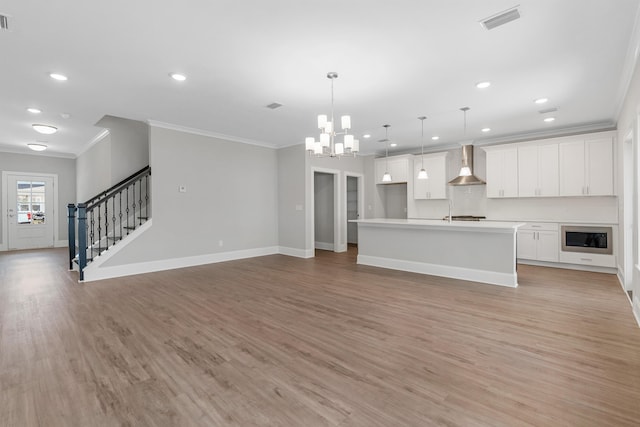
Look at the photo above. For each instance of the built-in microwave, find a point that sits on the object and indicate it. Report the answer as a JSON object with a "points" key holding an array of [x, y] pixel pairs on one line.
{"points": [[589, 239]]}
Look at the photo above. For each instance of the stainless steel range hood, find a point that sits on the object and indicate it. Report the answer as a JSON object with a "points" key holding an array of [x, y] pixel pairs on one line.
{"points": [[466, 176]]}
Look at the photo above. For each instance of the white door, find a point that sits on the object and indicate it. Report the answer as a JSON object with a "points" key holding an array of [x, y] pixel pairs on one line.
{"points": [[30, 214]]}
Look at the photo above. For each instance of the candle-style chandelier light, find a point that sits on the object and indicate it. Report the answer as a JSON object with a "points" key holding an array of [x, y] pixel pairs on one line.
{"points": [[328, 144]]}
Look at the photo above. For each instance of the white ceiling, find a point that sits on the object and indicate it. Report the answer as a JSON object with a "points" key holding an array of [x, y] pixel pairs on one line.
{"points": [[396, 61]]}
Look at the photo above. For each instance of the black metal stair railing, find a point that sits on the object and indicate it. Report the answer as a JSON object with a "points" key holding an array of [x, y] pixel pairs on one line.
{"points": [[107, 218]]}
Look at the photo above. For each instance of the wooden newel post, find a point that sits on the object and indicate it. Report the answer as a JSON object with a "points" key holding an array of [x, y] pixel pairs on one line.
{"points": [[71, 208], [82, 238]]}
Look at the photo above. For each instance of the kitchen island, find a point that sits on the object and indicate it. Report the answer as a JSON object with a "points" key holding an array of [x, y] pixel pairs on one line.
{"points": [[479, 251]]}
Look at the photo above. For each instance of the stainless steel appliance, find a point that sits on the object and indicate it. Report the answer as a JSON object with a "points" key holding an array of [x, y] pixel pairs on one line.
{"points": [[464, 218], [588, 239]]}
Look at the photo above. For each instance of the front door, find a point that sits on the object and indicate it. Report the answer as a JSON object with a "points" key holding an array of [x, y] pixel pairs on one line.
{"points": [[30, 214]]}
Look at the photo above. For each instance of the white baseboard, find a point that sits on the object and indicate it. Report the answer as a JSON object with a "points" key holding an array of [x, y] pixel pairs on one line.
{"points": [[325, 246], [100, 273], [61, 244], [295, 252], [490, 277], [567, 266]]}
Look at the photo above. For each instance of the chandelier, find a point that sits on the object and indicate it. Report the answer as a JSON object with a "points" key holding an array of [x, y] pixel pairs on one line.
{"points": [[328, 145]]}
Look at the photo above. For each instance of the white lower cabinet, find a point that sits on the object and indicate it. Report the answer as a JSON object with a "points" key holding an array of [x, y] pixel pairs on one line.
{"points": [[539, 241]]}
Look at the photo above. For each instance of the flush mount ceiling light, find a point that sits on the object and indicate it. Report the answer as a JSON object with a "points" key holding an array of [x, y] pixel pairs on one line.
{"points": [[541, 100], [386, 177], [393, 144], [486, 129], [59, 77], [423, 172], [550, 119], [366, 136], [435, 137], [45, 129], [178, 77], [37, 147], [327, 145], [34, 110], [483, 85]]}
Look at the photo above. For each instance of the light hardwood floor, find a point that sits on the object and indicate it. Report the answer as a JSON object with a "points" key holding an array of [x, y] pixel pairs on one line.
{"points": [[280, 341]]}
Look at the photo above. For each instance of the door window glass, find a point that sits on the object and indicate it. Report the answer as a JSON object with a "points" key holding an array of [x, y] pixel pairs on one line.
{"points": [[31, 202]]}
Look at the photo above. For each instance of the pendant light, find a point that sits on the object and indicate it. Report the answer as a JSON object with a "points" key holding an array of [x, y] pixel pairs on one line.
{"points": [[423, 172], [387, 176], [465, 170]]}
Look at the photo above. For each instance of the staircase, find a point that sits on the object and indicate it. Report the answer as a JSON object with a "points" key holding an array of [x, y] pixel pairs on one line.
{"points": [[107, 218]]}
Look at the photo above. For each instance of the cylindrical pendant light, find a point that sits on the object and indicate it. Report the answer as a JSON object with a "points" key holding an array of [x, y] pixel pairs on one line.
{"points": [[423, 172]]}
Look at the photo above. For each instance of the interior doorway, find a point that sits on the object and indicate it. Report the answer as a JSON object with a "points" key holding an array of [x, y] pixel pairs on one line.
{"points": [[324, 211], [31, 212], [353, 209]]}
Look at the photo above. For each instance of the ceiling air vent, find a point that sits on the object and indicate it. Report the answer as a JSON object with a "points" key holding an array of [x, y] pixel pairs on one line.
{"points": [[274, 105], [4, 22], [501, 18], [548, 110]]}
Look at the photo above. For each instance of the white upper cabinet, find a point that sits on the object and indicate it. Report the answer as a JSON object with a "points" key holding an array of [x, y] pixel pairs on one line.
{"points": [[586, 168], [397, 166], [502, 171], [435, 187], [538, 172]]}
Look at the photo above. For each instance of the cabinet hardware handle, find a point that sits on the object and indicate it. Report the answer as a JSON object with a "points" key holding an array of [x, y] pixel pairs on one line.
{"points": [[586, 259]]}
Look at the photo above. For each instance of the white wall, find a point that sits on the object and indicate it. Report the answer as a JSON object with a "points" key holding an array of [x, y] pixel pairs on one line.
{"points": [[93, 168], [40, 163], [119, 154], [129, 146], [230, 205], [293, 201]]}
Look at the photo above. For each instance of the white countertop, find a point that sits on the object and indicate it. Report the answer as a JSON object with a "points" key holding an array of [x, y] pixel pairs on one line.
{"points": [[442, 224]]}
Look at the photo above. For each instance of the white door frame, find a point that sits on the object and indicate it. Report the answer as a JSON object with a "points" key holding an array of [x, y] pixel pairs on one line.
{"points": [[627, 234], [5, 204], [337, 208]]}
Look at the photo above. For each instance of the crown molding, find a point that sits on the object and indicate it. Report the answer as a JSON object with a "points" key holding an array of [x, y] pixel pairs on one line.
{"points": [[202, 132], [99, 137], [28, 152], [629, 66]]}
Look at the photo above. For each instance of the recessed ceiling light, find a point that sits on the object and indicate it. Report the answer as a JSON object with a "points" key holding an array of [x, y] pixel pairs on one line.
{"points": [[179, 77], [37, 147], [549, 119], [366, 135], [34, 110], [541, 100], [393, 144], [483, 85], [486, 129], [57, 76], [65, 115], [45, 129], [435, 137]]}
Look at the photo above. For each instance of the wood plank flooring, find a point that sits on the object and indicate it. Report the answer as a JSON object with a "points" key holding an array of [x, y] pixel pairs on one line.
{"points": [[280, 341]]}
